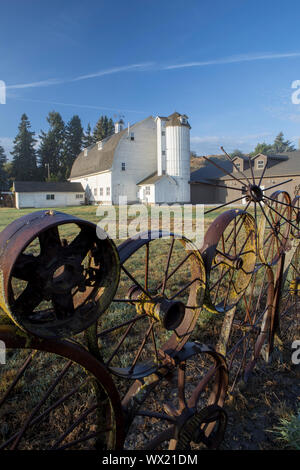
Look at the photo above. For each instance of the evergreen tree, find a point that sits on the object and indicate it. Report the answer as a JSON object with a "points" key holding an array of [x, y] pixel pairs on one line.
{"points": [[73, 144], [104, 128], [87, 138], [280, 145], [3, 176], [24, 154], [52, 147], [237, 153], [263, 148]]}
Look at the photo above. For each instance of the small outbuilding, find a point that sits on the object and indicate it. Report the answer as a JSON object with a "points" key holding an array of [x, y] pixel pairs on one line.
{"points": [[39, 194]]}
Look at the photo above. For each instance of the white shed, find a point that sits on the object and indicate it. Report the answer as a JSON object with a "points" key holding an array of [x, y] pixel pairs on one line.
{"points": [[158, 189], [39, 194]]}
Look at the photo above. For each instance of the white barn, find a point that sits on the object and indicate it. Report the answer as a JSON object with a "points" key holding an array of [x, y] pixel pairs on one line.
{"points": [[146, 162], [39, 194]]}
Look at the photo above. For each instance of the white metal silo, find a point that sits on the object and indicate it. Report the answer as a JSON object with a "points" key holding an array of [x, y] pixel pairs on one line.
{"points": [[178, 153]]}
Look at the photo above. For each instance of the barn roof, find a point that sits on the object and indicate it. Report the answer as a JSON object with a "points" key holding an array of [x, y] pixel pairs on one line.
{"points": [[97, 160], [51, 186]]}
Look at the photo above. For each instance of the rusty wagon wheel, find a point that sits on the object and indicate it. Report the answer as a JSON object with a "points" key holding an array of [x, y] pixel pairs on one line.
{"points": [[229, 255], [189, 413], [55, 395], [274, 227], [155, 309], [272, 213], [288, 305], [295, 219], [58, 275], [245, 334]]}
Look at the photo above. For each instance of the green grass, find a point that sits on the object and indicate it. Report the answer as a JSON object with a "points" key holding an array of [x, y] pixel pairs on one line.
{"points": [[288, 431]]}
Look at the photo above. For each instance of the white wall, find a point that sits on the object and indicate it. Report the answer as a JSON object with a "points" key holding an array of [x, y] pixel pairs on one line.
{"points": [[166, 191], [139, 157], [39, 200], [147, 199], [90, 183]]}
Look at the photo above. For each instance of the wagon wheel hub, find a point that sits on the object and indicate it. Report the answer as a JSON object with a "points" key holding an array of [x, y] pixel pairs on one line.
{"points": [[254, 193], [169, 313]]}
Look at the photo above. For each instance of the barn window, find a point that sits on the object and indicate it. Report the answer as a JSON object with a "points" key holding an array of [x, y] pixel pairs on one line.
{"points": [[108, 191], [95, 191], [123, 166], [163, 132], [260, 164], [147, 190], [131, 135], [163, 152], [101, 191], [237, 166], [79, 196], [50, 197]]}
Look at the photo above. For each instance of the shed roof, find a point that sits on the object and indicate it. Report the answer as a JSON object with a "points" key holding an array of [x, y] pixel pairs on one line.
{"points": [[41, 186]]}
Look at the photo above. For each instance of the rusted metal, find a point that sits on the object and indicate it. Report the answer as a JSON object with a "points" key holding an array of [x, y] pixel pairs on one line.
{"points": [[64, 286], [164, 313], [75, 355], [247, 270]]}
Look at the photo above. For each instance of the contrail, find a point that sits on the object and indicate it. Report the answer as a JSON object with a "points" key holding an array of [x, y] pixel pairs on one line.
{"points": [[234, 60]]}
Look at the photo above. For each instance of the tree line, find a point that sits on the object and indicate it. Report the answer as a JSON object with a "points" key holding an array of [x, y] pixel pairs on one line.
{"points": [[51, 156], [279, 146]]}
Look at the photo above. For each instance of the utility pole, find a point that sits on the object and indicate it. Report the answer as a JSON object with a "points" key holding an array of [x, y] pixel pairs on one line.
{"points": [[48, 165]]}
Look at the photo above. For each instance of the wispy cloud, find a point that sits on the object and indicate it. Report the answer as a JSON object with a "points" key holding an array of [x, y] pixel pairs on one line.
{"points": [[42, 83], [100, 73], [125, 68], [150, 66], [234, 59], [74, 105]]}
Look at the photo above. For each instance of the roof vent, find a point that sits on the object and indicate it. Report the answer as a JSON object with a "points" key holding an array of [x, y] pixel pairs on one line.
{"points": [[100, 145], [85, 152]]}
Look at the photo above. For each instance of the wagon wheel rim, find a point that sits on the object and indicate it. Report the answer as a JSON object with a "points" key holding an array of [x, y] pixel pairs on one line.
{"points": [[289, 301], [229, 254], [295, 218], [95, 417], [156, 319], [54, 287], [274, 228], [245, 333]]}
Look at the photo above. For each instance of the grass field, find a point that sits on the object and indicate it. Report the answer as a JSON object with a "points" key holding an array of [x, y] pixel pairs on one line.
{"points": [[247, 410]]}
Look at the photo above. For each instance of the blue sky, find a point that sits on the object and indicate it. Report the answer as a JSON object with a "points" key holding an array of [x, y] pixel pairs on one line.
{"points": [[228, 65]]}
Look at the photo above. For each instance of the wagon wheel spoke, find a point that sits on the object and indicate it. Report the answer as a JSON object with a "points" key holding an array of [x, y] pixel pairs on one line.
{"points": [[81, 245], [28, 300], [76, 402], [50, 242], [26, 267]]}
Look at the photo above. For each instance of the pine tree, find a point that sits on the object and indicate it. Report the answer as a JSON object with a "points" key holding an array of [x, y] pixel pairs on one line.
{"points": [[24, 154], [73, 144], [52, 146], [280, 145], [87, 138], [104, 128], [3, 176]]}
